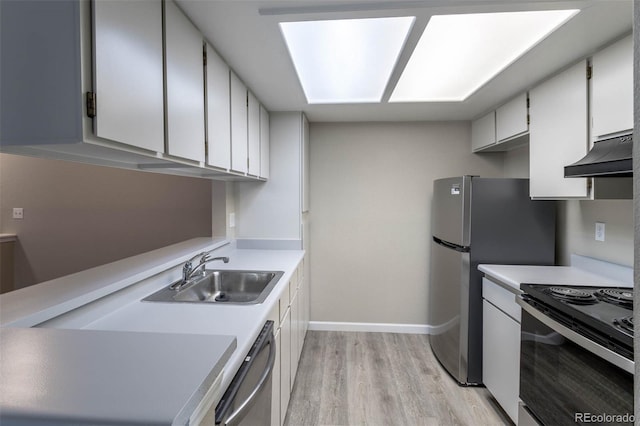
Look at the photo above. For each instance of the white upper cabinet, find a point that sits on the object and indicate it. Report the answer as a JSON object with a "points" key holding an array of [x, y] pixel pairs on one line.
{"points": [[264, 143], [119, 84], [512, 118], [503, 129], [253, 111], [273, 210], [218, 111], [238, 125], [612, 89], [185, 86], [558, 134], [128, 73], [483, 132]]}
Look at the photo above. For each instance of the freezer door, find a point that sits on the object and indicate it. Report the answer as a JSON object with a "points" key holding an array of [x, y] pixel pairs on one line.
{"points": [[449, 308], [450, 209]]}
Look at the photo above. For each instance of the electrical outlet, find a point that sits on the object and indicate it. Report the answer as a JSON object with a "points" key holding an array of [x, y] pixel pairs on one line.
{"points": [[599, 231], [18, 213], [232, 220]]}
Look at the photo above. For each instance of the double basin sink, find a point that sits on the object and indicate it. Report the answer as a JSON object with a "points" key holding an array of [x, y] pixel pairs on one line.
{"points": [[221, 286]]}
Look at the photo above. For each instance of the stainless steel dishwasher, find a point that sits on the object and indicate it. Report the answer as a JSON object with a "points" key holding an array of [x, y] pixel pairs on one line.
{"points": [[247, 400]]}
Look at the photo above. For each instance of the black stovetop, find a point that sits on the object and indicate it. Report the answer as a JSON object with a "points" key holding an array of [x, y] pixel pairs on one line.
{"points": [[603, 314]]}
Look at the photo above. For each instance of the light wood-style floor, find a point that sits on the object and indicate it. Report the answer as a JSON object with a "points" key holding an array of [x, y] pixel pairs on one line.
{"points": [[381, 379]]}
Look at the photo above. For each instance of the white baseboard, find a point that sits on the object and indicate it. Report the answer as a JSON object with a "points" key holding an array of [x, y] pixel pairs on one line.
{"points": [[370, 327]]}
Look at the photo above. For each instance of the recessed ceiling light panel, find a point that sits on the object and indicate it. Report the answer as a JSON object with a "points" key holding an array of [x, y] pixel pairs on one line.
{"points": [[458, 54], [346, 60]]}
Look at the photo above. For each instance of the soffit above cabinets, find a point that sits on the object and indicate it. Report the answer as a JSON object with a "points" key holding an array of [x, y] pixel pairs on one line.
{"points": [[248, 36]]}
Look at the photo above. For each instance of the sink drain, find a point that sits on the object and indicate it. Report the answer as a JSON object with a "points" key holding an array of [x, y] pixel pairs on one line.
{"points": [[222, 297]]}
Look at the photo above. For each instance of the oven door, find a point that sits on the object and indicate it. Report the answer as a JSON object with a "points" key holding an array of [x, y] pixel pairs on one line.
{"points": [[567, 379]]}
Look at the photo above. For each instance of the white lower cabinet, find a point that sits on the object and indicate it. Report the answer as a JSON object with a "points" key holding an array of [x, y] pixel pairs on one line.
{"points": [[290, 325], [501, 346], [275, 384], [295, 325], [285, 363], [303, 297]]}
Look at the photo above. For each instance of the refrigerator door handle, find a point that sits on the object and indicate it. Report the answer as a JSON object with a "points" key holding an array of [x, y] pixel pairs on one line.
{"points": [[452, 246]]}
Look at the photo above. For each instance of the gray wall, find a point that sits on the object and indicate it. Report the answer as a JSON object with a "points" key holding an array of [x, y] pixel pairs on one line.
{"points": [[577, 219], [371, 188], [79, 216], [370, 206]]}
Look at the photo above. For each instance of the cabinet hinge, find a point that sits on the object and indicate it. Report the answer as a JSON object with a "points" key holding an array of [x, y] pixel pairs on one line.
{"points": [[204, 55], [91, 104], [528, 120], [528, 103], [589, 72]]}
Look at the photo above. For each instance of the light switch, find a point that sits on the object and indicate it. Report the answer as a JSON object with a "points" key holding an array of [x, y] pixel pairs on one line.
{"points": [[599, 231], [232, 220], [18, 213]]}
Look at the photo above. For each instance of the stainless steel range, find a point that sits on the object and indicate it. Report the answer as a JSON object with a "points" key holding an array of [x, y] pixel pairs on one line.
{"points": [[576, 356]]}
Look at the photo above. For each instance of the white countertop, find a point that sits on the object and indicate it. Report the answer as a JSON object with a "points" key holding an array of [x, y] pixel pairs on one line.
{"points": [[580, 275], [243, 322], [108, 298], [32, 305], [104, 377]]}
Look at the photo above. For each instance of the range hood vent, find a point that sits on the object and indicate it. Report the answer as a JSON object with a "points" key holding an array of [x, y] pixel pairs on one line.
{"points": [[608, 158]]}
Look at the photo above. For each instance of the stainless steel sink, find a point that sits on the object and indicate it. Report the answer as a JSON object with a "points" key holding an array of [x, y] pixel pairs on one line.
{"points": [[222, 286]]}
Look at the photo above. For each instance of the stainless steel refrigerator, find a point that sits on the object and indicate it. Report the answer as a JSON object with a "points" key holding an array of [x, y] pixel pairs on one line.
{"points": [[478, 220]]}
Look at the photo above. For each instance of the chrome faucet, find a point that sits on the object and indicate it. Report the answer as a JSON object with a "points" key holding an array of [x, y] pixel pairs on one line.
{"points": [[189, 271]]}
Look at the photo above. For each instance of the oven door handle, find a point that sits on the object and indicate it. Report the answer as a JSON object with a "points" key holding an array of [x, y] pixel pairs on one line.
{"points": [[599, 350]]}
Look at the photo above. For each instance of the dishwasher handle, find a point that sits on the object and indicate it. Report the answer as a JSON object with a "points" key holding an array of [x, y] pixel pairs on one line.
{"points": [[240, 412]]}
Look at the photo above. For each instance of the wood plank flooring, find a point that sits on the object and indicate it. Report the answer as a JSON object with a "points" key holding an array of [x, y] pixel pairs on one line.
{"points": [[381, 379]]}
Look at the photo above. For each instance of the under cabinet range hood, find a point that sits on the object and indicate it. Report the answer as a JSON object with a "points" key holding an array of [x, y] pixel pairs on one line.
{"points": [[608, 158]]}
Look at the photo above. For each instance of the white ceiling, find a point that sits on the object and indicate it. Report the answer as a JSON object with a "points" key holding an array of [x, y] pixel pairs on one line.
{"points": [[247, 36]]}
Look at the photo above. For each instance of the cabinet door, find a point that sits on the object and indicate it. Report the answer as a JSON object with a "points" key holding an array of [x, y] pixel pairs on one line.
{"points": [[501, 358], [218, 111], [285, 364], [558, 134], [275, 384], [128, 72], [295, 312], [185, 85], [483, 131], [612, 89], [511, 118], [307, 308], [253, 134], [238, 125], [302, 322], [264, 143]]}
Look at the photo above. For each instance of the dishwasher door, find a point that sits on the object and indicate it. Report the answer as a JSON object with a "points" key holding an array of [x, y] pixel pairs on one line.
{"points": [[247, 400]]}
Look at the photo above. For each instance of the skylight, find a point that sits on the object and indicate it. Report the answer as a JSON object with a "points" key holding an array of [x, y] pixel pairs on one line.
{"points": [[347, 60], [458, 54]]}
